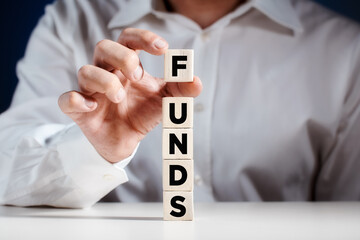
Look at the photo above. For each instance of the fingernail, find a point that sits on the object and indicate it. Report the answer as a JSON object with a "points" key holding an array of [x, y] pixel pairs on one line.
{"points": [[138, 73], [159, 43], [89, 103], [120, 95]]}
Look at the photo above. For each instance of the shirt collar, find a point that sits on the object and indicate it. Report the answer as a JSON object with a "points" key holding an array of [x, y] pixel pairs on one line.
{"points": [[129, 12], [280, 11]]}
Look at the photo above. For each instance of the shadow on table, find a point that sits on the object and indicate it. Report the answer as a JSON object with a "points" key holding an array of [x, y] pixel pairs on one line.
{"points": [[125, 218], [66, 213]]}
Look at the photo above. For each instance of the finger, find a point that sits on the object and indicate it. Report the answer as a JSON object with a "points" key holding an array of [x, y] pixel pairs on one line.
{"points": [[97, 80], [184, 89], [111, 55], [75, 102], [140, 39]]}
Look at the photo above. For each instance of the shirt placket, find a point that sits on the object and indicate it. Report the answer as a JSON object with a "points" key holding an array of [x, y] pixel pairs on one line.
{"points": [[206, 45]]}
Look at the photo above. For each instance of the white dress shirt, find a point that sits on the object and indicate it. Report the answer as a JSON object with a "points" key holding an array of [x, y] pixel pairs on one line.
{"points": [[278, 118]]}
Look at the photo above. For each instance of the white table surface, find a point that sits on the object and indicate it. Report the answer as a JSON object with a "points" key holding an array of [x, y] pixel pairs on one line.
{"points": [[119, 221]]}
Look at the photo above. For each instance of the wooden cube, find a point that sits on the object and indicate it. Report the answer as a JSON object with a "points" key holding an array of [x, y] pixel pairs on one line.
{"points": [[177, 143], [178, 112], [178, 206], [179, 64], [178, 175]]}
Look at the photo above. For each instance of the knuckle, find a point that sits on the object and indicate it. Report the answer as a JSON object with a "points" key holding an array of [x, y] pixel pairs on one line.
{"points": [[110, 86], [126, 31], [147, 36], [102, 45], [130, 59], [85, 71], [72, 99]]}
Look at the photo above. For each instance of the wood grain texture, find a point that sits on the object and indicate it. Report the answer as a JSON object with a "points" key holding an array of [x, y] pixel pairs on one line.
{"points": [[178, 206], [184, 71], [178, 170], [180, 135], [178, 103]]}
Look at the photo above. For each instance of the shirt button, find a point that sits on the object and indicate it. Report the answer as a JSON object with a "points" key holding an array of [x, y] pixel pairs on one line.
{"points": [[108, 177], [199, 107], [205, 36], [198, 180]]}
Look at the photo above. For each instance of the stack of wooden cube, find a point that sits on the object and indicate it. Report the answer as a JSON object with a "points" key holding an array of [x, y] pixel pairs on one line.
{"points": [[178, 164]]}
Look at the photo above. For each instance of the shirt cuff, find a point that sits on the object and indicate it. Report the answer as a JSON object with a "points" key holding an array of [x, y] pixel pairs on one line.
{"points": [[92, 176], [123, 163]]}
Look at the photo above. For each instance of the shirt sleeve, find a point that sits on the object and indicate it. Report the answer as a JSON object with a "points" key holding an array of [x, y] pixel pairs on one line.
{"points": [[339, 178], [45, 158]]}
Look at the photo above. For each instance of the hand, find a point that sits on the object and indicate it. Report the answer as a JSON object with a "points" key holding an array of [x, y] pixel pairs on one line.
{"points": [[119, 102]]}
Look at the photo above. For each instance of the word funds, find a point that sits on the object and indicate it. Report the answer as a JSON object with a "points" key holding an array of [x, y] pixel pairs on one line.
{"points": [[177, 149]]}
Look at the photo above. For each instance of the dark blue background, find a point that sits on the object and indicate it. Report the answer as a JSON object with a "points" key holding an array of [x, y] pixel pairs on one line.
{"points": [[19, 17]]}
